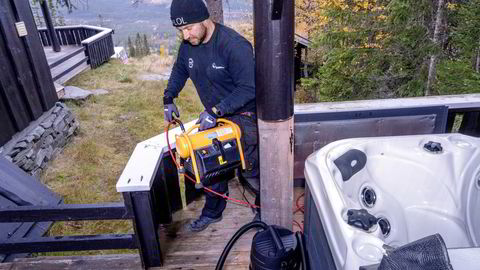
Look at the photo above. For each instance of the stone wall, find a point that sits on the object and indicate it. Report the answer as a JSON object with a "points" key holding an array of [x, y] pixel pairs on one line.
{"points": [[42, 141]]}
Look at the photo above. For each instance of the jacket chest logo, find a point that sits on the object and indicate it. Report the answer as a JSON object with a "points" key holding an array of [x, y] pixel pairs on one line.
{"points": [[190, 62], [217, 67]]}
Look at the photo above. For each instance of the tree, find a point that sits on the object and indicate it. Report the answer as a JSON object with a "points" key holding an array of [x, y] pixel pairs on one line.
{"points": [[146, 46], [215, 8], [53, 6], [139, 46], [432, 69], [131, 48], [368, 48], [101, 21], [467, 32], [37, 17]]}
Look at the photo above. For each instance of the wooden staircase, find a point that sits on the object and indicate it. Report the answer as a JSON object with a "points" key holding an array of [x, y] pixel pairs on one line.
{"points": [[66, 64]]}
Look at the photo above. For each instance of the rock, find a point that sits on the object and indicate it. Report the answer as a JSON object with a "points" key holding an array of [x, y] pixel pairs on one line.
{"points": [[21, 162], [30, 153], [75, 93], [71, 130], [57, 109], [40, 157], [60, 141], [59, 120], [37, 132], [60, 104], [21, 145], [56, 134], [29, 138], [98, 92], [47, 123], [49, 154], [47, 141], [21, 155], [29, 165], [9, 158], [69, 118], [15, 151], [60, 126]]}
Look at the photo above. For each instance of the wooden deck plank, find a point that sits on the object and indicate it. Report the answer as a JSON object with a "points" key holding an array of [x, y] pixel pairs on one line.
{"points": [[118, 261], [53, 57]]}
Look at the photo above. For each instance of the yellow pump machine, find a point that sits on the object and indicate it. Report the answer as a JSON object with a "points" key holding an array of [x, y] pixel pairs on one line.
{"points": [[212, 152]]}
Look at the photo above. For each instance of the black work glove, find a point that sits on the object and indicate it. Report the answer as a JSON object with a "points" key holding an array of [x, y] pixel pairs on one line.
{"points": [[206, 121], [169, 108]]}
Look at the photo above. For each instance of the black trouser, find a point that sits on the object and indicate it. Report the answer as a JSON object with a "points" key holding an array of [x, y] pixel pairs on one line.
{"points": [[214, 205]]}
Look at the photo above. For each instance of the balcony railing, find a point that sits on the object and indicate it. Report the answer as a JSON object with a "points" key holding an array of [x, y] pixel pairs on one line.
{"points": [[98, 41]]}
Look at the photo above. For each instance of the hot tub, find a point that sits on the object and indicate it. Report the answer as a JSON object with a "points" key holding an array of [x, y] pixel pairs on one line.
{"points": [[415, 186]]}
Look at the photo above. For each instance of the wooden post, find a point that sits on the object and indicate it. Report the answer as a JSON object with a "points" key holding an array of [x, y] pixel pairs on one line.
{"points": [[274, 53], [50, 28], [140, 206]]}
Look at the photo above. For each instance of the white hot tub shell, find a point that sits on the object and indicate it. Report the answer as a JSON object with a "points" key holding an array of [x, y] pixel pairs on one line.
{"points": [[415, 193]]}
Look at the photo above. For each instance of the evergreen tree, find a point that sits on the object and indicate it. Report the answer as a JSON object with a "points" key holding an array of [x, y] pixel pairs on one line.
{"points": [[131, 48], [467, 34], [37, 17], [458, 71], [146, 46], [370, 48], [139, 46]]}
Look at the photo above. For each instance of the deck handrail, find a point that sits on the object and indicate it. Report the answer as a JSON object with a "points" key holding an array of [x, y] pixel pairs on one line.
{"points": [[97, 41]]}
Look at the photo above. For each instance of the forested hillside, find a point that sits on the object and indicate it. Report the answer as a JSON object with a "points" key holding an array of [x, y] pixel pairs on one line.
{"points": [[390, 48]]}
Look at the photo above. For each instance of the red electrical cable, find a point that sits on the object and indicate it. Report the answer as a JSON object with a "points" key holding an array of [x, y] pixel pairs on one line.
{"points": [[298, 225], [300, 208], [193, 180]]}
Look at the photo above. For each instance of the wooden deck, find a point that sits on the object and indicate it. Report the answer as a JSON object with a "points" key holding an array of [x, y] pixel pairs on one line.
{"points": [[67, 63], [183, 250]]}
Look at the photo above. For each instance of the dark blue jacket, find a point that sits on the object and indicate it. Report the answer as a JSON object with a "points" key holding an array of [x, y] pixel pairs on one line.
{"points": [[222, 70]]}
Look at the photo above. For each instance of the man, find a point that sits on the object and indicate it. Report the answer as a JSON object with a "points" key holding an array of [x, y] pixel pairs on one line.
{"points": [[220, 63]]}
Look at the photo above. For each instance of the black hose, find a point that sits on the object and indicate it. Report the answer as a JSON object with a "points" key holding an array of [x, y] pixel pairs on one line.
{"points": [[180, 123], [299, 236], [245, 228]]}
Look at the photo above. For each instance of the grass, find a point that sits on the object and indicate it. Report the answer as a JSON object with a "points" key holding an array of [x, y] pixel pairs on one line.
{"points": [[110, 126]]}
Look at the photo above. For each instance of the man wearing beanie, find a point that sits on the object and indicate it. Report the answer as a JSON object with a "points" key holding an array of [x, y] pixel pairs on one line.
{"points": [[220, 63]]}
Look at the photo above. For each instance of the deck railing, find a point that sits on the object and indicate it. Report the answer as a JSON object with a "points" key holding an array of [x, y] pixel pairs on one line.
{"points": [[98, 41], [146, 209]]}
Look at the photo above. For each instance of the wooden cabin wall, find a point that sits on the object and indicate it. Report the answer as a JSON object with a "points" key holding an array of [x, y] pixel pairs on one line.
{"points": [[26, 85]]}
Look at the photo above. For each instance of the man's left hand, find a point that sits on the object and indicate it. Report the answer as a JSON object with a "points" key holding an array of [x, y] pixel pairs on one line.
{"points": [[206, 121]]}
